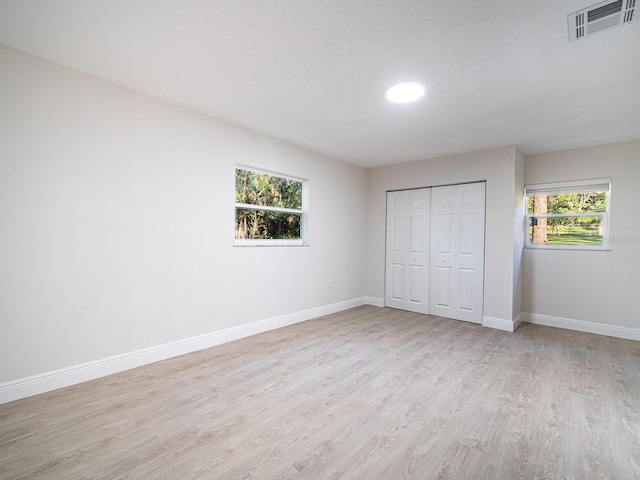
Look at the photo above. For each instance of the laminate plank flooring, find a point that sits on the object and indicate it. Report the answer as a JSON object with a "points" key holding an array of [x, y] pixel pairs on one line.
{"points": [[368, 393]]}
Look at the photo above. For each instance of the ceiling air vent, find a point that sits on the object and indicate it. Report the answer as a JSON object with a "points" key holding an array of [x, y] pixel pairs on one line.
{"points": [[601, 16]]}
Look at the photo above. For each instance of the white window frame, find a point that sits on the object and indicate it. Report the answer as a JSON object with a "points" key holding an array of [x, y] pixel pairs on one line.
{"points": [[303, 212], [556, 188]]}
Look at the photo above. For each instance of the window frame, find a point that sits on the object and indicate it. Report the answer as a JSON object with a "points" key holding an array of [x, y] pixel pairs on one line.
{"points": [[557, 188], [303, 212]]}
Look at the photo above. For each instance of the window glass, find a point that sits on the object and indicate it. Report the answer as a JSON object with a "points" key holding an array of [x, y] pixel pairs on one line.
{"points": [[262, 224], [268, 206], [569, 214]]}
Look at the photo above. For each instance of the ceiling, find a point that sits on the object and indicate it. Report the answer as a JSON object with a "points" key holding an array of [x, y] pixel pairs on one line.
{"points": [[314, 72]]}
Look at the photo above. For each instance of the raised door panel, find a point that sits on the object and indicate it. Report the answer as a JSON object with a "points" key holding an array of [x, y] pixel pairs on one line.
{"points": [[397, 234], [417, 234], [397, 282], [442, 291], [466, 287], [467, 233], [416, 280], [444, 244]]}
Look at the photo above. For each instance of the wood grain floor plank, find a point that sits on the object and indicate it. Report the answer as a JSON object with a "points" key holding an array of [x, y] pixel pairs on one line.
{"points": [[368, 393]]}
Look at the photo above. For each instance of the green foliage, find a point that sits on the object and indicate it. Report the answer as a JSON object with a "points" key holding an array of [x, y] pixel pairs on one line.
{"points": [[577, 202], [261, 189], [267, 190], [574, 238], [570, 203], [572, 235]]}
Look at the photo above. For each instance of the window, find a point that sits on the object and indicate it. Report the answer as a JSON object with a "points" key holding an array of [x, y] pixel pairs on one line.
{"points": [[569, 215], [270, 208]]}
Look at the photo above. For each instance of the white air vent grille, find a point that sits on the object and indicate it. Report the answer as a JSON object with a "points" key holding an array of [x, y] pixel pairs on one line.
{"points": [[579, 25], [629, 9], [600, 17]]}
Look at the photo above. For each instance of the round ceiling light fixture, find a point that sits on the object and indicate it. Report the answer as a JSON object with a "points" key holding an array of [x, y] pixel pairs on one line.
{"points": [[405, 92]]}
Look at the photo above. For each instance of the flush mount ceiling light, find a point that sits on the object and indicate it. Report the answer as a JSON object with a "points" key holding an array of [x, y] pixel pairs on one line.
{"points": [[405, 92]]}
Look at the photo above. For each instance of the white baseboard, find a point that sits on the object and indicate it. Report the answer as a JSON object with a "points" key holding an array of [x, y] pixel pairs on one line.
{"points": [[65, 377], [499, 323], [582, 326], [517, 321], [376, 302]]}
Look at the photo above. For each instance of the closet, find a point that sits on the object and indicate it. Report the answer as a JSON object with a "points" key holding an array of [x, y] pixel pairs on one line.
{"points": [[435, 250]]}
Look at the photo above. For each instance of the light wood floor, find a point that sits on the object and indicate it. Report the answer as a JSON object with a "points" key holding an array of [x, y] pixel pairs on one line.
{"points": [[369, 393]]}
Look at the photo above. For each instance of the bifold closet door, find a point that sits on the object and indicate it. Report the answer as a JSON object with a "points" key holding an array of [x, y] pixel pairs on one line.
{"points": [[407, 250], [457, 251]]}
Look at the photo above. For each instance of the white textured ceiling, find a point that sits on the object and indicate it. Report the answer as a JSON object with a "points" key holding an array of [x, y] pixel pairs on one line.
{"points": [[314, 72]]}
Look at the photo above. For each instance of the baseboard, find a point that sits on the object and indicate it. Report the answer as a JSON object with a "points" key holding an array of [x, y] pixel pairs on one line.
{"points": [[376, 302], [65, 377], [499, 323], [582, 326], [517, 321]]}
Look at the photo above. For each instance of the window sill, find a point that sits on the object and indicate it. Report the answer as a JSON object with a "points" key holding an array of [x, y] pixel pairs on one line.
{"points": [[269, 243], [575, 248]]}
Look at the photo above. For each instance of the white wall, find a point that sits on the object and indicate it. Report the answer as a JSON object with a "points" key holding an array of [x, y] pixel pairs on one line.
{"points": [[117, 217], [498, 168], [590, 286], [518, 237]]}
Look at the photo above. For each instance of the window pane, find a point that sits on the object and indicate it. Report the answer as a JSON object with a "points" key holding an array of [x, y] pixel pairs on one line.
{"points": [[568, 203], [268, 190], [263, 225], [566, 231]]}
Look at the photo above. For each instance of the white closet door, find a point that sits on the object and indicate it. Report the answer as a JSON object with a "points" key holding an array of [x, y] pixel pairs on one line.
{"points": [[407, 255], [457, 251]]}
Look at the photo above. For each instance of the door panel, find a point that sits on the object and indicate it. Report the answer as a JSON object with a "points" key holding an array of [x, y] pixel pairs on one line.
{"points": [[445, 199], [397, 281], [398, 234], [465, 282], [416, 274], [416, 229], [457, 247], [407, 256], [444, 243], [467, 233], [443, 284]]}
